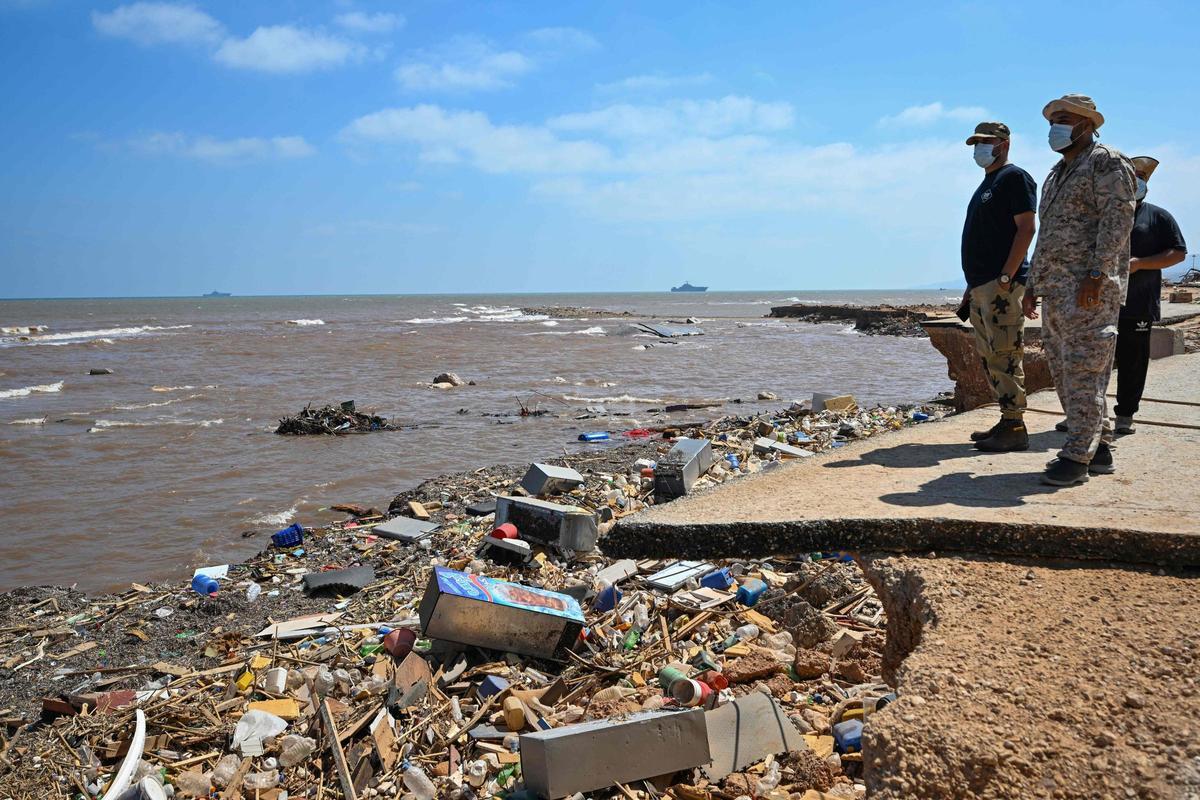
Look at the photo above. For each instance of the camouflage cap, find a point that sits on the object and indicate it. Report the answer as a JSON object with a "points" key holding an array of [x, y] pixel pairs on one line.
{"points": [[989, 130], [1144, 166], [1079, 104]]}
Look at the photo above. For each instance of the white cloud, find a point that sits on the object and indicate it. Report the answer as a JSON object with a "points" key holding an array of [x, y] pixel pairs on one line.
{"points": [[465, 64], [739, 162], [916, 116], [283, 49], [562, 40], [680, 118], [223, 151], [444, 136], [159, 23], [362, 22], [655, 83]]}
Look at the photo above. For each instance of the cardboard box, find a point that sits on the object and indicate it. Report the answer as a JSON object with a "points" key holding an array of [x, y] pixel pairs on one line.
{"points": [[510, 617], [595, 755]]}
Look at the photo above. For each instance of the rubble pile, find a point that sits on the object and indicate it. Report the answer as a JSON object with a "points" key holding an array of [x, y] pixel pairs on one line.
{"points": [[472, 643], [331, 420]]}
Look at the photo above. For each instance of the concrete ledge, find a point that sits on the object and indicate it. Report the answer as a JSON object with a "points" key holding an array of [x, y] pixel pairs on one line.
{"points": [[914, 535]]}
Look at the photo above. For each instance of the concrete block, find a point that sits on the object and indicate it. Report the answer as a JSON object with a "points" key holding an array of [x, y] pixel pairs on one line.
{"points": [[681, 467], [595, 755], [1166, 342], [746, 730], [544, 479], [552, 524]]}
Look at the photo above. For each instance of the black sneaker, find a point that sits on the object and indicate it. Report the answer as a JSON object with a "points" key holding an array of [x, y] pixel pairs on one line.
{"points": [[1102, 462], [1010, 436], [1124, 426], [981, 435], [1061, 427], [1065, 472]]}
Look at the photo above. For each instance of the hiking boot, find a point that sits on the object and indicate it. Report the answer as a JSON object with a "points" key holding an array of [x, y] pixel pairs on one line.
{"points": [[978, 436], [1065, 472], [1124, 426], [1061, 427], [1010, 436]]}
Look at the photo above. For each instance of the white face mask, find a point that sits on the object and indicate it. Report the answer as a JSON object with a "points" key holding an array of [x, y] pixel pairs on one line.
{"points": [[984, 154], [1140, 194], [1061, 137]]}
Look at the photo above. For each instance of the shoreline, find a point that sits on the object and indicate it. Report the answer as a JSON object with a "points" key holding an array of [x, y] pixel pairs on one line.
{"points": [[58, 643]]}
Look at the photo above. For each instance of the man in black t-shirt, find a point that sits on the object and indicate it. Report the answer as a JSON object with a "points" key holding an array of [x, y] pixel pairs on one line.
{"points": [[1155, 244], [996, 235]]}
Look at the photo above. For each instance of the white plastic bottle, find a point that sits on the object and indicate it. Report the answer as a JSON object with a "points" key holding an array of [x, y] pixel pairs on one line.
{"points": [[417, 782]]}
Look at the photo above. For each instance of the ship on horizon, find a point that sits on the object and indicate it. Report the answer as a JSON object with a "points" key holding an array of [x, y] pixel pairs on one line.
{"points": [[217, 294], [687, 287]]}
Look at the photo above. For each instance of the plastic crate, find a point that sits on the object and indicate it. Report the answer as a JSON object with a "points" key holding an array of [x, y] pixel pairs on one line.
{"points": [[290, 536]]}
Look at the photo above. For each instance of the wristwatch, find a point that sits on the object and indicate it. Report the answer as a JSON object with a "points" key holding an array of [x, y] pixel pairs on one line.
{"points": [[1005, 279]]}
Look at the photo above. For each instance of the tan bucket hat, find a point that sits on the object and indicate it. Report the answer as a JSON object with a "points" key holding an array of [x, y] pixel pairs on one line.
{"points": [[1079, 104], [1145, 165], [989, 130]]}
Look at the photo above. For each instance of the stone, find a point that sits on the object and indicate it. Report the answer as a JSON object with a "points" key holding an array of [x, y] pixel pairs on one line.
{"points": [[450, 378], [810, 664]]}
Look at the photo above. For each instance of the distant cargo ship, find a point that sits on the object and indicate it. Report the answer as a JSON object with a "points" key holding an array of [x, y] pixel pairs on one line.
{"points": [[217, 294], [687, 287]]}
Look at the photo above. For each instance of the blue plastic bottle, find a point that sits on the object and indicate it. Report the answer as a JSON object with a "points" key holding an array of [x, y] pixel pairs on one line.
{"points": [[749, 592], [203, 584], [598, 436], [847, 736]]}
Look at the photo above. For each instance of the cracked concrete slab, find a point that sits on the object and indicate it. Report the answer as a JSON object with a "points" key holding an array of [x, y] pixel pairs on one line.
{"points": [[926, 488], [1035, 680]]}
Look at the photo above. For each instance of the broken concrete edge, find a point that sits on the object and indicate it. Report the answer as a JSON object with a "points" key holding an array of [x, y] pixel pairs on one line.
{"points": [[715, 540]]}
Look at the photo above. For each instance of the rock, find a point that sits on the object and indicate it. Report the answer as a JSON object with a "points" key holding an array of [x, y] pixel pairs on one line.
{"points": [[100, 371], [450, 378], [808, 626], [767, 396], [752, 668], [810, 664], [1135, 700]]}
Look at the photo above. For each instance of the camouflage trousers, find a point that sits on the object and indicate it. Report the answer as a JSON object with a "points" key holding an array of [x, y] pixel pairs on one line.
{"points": [[999, 328], [1080, 344]]}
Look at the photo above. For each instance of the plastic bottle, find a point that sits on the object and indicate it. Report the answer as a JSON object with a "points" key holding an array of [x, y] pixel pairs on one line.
{"points": [[417, 782], [476, 773], [747, 632], [768, 781], [323, 682], [598, 436], [252, 592], [203, 584]]}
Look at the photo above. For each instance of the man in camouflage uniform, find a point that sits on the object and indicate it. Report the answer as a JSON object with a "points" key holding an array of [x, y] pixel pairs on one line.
{"points": [[1080, 271]]}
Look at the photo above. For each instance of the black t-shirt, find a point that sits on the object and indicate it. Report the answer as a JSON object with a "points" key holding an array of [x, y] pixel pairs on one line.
{"points": [[989, 229], [1154, 231]]}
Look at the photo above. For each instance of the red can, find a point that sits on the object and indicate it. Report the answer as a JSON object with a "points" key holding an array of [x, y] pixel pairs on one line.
{"points": [[505, 531], [714, 679]]}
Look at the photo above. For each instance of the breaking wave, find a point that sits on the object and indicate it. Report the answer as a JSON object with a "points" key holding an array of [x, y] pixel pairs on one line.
{"points": [[25, 391], [140, 406], [622, 398], [101, 424], [29, 421], [278, 518], [435, 320], [305, 322], [593, 331], [104, 335]]}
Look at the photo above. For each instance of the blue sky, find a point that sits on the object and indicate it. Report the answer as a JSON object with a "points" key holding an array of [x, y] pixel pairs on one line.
{"points": [[155, 148]]}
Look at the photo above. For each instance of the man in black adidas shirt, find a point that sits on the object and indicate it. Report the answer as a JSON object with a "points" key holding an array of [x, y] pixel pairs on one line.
{"points": [[1155, 244], [996, 235]]}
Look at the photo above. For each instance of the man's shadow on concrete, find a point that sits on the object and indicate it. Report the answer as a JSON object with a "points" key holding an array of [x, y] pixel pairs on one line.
{"points": [[914, 455], [1006, 490]]}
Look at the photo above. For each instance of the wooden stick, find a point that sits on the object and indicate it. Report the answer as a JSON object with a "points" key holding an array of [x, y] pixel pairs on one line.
{"points": [[339, 757]]}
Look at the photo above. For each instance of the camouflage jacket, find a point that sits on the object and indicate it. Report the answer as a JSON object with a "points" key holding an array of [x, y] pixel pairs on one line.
{"points": [[1085, 218]]}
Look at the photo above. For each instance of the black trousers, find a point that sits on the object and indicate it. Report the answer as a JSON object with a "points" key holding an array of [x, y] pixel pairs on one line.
{"points": [[1133, 358]]}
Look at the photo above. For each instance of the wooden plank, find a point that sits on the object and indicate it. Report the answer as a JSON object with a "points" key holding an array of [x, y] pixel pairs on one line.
{"points": [[339, 756]]}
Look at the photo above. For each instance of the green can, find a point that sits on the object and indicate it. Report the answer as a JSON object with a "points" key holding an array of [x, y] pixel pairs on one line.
{"points": [[668, 675]]}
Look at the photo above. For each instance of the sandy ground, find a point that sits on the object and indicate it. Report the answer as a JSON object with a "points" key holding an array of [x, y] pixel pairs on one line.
{"points": [[1036, 681]]}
